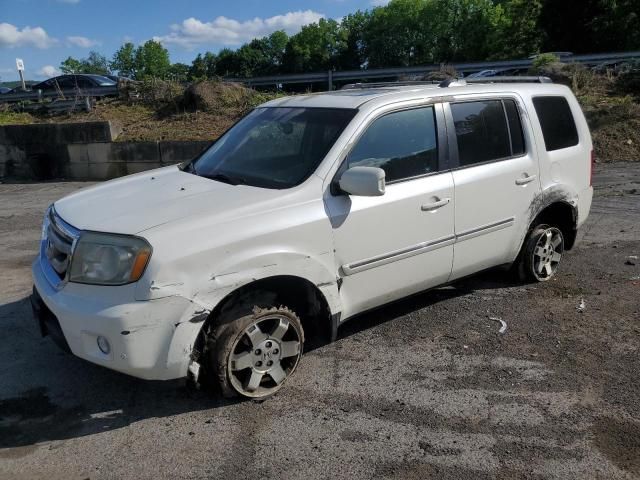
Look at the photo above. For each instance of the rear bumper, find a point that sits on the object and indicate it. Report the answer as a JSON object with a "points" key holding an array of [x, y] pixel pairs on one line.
{"points": [[141, 334], [584, 205]]}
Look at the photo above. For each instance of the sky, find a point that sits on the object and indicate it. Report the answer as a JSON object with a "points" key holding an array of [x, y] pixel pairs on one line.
{"points": [[45, 32]]}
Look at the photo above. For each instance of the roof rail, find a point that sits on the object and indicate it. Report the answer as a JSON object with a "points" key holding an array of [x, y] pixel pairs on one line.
{"points": [[511, 79], [355, 86], [451, 82]]}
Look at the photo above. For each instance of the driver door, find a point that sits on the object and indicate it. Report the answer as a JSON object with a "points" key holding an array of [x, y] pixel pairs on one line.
{"points": [[399, 243]]}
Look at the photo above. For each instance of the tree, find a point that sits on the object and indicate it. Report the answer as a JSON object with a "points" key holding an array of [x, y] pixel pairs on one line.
{"points": [[353, 27], [151, 60], [124, 60], [517, 33], [179, 72], [71, 65], [316, 47], [594, 26], [226, 65], [395, 35], [96, 63], [462, 28]]}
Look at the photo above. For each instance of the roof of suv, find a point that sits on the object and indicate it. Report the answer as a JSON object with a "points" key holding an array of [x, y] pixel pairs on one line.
{"points": [[375, 97]]}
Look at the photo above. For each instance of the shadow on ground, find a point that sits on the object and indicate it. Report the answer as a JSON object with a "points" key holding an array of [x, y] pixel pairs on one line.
{"points": [[69, 398]]}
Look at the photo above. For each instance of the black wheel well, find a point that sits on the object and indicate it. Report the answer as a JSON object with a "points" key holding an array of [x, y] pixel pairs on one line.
{"points": [[296, 293], [563, 216]]}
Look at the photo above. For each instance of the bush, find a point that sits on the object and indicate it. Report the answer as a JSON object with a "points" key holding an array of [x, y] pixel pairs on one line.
{"points": [[628, 82], [216, 96], [543, 60], [160, 93]]}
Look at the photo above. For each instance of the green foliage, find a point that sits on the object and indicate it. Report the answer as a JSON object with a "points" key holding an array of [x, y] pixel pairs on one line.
{"points": [[517, 34], [94, 63], [152, 60], [316, 47], [543, 60], [124, 60], [402, 33], [586, 26], [71, 65]]}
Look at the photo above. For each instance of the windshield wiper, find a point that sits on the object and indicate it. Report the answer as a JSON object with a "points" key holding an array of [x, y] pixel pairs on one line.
{"points": [[221, 177]]}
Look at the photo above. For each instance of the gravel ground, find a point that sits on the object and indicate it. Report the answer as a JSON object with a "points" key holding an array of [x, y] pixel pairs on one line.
{"points": [[424, 388]]}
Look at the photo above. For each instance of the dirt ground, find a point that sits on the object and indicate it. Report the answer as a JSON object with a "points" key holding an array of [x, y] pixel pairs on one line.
{"points": [[424, 388]]}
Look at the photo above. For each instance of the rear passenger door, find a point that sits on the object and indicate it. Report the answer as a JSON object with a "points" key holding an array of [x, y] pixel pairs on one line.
{"points": [[496, 179], [399, 243]]}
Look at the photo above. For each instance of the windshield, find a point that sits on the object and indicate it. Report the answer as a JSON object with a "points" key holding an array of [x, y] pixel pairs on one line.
{"points": [[273, 147], [103, 81]]}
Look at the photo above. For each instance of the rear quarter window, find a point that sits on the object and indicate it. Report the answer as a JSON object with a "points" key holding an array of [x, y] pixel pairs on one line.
{"points": [[557, 122]]}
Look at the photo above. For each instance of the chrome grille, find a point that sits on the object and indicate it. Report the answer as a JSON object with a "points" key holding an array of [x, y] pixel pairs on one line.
{"points": [[57, 247]]}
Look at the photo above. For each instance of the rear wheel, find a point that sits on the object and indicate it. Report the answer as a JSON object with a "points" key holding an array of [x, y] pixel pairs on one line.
{"points": [[253, 354], [542, 254]]}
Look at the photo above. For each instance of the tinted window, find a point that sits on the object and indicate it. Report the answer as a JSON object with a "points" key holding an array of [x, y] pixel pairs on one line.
{"points": [[403, 144], [273, 147], [66, 82], [481, 131], [558, 127], [84, 82], [515, 127]]}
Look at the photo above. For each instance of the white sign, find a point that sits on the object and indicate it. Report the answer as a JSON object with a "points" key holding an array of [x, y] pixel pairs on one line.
{"points": [[19, 64]]}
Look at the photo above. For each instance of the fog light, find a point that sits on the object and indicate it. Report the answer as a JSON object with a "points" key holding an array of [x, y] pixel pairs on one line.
{"points": [[103, 345]]}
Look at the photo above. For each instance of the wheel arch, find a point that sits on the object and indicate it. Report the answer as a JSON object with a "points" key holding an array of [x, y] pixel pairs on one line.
{"points": [[299, 294], [563, 215]]}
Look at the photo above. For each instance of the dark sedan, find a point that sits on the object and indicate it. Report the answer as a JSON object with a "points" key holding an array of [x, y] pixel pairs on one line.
{"points": [[71, 82]]}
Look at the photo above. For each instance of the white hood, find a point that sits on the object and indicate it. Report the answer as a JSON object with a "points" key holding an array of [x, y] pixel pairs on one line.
{"points": [[138, 202]]}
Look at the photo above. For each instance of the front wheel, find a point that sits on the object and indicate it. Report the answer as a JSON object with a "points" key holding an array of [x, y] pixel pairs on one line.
{"points": [[253, 355], [542, 254]]}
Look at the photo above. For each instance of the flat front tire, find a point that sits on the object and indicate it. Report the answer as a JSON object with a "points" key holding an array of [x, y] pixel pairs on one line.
{"points": [[253, 355]]}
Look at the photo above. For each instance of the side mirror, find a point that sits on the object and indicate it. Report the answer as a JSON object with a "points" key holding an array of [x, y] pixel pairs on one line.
{"points": [[363, 181]]}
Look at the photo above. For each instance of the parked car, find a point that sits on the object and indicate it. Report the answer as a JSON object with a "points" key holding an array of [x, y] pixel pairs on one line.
{"points": [[70, 82], [4, 90], [309, 211]]}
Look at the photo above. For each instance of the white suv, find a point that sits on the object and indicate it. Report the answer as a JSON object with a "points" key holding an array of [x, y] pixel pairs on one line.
{"points": [[307, 212]]}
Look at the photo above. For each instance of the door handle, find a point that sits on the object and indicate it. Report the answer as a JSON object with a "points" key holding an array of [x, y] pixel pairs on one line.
{"points": [[525, 180], [430, 207]]}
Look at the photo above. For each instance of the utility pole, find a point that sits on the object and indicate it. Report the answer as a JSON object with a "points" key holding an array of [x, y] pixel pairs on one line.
{"points": [[20, 67]]}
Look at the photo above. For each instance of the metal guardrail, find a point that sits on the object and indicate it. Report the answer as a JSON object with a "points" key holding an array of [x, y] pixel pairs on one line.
{"points": [[72, 93], [467, 67]]}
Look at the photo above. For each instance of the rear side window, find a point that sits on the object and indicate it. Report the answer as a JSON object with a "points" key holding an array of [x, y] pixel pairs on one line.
{"points": [[403, 144], [481, 131], [558, 126], [515, 127]]}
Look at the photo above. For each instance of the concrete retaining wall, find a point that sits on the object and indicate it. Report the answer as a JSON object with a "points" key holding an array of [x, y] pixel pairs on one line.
{"points": [[83, 151]]}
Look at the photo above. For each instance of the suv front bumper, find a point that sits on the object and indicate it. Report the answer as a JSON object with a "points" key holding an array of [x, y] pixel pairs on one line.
{"points": [[140, 333]]}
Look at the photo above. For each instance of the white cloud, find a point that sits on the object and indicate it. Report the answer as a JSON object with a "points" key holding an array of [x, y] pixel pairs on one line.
{"points": [[227, 31], [379, 3], [11, 36], [83, 42], [48, 71]]}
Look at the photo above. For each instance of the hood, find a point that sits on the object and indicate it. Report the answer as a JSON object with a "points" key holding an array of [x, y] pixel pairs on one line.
{"points": [[139, 202]]}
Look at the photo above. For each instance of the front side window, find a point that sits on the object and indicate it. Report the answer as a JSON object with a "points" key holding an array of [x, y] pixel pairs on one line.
{"points": [[481, 131], [274, 147], [404, 144], [558, 126]]}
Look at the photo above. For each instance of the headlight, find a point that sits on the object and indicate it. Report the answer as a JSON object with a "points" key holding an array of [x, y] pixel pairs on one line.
{"points": [[107, 259], [45, 224]]}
